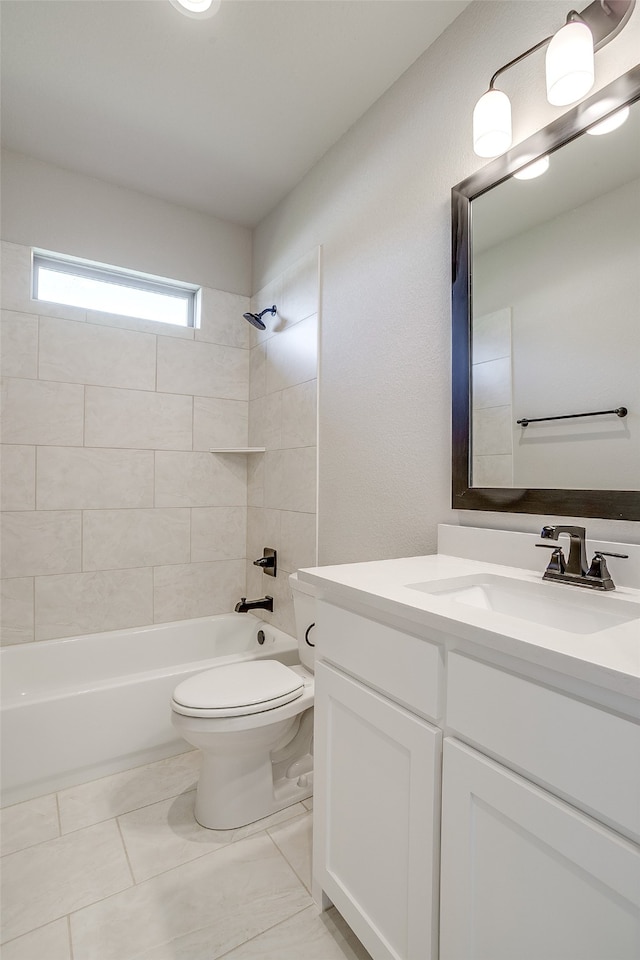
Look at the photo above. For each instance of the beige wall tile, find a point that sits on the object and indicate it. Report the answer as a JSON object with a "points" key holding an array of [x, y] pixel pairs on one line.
{"points": [[116, 539], [36, 411], [256, 422], [197, 589], [137, 419], [87, 353], [492, 383], [219, 423], [200, 480], [272, 421], [203, 369], [40, 542], [492, 431], [218, 533], [221, 319], [263, 531], [292, 356], [492, 471], [16, 610], [258, 371], [300, 289], [17, 477], [142, 326], [290, 479], [69, 605], [70, 477], [297, 540], [299, 415], [19, 345], [255, 480]]}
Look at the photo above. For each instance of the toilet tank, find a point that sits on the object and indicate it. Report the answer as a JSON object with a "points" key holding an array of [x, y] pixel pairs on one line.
{"points": [[304, 606]]}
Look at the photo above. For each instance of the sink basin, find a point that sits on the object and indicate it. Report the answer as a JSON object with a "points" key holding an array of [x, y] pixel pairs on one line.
{"points": [[580, 611]]}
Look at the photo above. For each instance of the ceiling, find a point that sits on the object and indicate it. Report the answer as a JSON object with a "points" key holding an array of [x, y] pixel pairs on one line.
{"points": [[223, 115]]}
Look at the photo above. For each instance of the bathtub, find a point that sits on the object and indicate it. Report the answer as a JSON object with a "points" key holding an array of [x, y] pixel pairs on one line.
{"points": [[84, 707]]}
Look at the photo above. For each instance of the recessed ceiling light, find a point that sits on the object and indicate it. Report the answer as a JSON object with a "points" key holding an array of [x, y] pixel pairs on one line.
{"points": [[199, 9]]}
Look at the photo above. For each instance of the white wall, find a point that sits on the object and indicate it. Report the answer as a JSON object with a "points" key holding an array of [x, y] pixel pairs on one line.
{"points": [[378, 203], [46, 206]]}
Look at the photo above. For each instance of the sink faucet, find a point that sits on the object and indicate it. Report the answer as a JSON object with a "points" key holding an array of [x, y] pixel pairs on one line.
{"points": [[575, 568], [264, 603], [577, 561]]}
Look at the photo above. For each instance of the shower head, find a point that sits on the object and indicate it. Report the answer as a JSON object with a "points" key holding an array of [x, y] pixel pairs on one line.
{"points": [[256, 318]]}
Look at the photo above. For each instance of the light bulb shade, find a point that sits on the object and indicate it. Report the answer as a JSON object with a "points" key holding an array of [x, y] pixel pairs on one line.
{"points": [[610, 123], [492, 124], [198, 9], [570, 64], [532, 170]]}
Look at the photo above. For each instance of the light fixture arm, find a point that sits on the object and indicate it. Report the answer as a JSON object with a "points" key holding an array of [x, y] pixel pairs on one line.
{"points": [[605, 19]]}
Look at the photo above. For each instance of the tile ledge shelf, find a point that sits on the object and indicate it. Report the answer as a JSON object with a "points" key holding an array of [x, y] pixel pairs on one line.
{"points": [[237, 449]]}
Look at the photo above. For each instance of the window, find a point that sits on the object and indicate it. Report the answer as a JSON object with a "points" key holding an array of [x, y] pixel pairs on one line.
{"points": [[95, 286]]}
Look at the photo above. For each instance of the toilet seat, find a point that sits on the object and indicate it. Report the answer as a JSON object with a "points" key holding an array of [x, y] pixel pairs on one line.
{"points": [[238, 689]]}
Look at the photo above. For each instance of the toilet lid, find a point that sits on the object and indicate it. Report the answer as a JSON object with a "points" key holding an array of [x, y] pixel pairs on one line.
{"points": [[251, 686]]}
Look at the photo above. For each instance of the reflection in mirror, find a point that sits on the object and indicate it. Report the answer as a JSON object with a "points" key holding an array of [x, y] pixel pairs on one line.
{"points": [[556, 331], [547, 323]]}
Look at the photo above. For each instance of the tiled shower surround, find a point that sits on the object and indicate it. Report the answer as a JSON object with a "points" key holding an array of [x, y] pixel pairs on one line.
{"points": [[115, 513]]}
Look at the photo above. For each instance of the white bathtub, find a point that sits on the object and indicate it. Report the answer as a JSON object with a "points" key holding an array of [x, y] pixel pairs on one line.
{"points": [[84, 707]]}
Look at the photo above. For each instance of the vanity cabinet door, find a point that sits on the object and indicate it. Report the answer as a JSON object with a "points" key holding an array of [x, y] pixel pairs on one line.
{"points": [[526, 875], [376, 809]]}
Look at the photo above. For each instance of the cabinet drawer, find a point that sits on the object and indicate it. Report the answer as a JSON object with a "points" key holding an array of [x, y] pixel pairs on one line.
{"points": [[578, 751], [403, 667]]}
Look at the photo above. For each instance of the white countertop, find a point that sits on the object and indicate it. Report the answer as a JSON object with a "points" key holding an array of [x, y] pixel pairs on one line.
{"points": [[609, 658]]}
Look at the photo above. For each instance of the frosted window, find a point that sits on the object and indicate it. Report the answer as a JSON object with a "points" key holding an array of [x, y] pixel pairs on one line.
{"points": [[94, 287]]}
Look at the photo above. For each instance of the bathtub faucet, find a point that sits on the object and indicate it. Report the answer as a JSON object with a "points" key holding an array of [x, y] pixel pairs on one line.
{"points": [[264, 603]]}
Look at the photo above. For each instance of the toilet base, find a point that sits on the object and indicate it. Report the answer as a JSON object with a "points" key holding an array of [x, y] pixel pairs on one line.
{"points": [[257, 798]]}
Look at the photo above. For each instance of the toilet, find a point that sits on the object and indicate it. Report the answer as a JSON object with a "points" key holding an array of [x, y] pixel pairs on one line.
{"points": [[253, 722]]}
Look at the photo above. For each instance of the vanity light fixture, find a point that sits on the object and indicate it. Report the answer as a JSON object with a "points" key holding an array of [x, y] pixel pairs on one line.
{"points": [[569, 70], [533, 170], [609, 123], [198, 9]]}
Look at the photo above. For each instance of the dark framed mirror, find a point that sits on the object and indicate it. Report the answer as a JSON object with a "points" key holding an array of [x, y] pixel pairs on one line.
{"points": [[546, 320]]}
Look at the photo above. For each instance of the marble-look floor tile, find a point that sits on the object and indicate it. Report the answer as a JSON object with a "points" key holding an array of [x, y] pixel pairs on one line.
{"points": [[198, 911], [120, 793], [50, 942], [308, 803], [165, 835], [307, 936], [45, 882], [294, 840], [28, 823]]}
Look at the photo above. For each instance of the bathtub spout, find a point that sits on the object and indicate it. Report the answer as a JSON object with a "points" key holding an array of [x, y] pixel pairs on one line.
{"points": [[264, 603]]}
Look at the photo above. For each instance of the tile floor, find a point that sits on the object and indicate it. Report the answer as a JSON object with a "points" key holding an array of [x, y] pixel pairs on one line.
{"points": [[118, 869]]}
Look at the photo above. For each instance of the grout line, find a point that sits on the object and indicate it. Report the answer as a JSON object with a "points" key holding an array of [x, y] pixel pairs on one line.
{"points": [[282, 854], [58, 815], [71, 953], [262, 932], [126, 852]]}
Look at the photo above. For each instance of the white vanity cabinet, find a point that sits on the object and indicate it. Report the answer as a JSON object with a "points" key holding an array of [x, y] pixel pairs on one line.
{"points": [[377, 783], [538, 861], [527, 850]]}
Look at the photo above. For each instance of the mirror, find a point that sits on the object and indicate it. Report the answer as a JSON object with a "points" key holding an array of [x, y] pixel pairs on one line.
{"points": [[546, 332]]}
